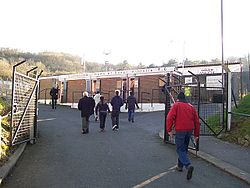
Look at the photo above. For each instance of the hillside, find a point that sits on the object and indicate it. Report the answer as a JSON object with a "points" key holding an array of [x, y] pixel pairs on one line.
{"points": [[51, 63]]}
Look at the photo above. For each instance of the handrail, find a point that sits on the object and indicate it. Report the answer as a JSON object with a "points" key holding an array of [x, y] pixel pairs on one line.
{"points": [[240, 114]]}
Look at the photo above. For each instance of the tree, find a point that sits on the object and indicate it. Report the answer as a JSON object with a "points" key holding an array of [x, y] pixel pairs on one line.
{"points": [[5, 70], [152, 65], [140, 66], [216, 61], [204, 62], [124, 65], [171, 62]]}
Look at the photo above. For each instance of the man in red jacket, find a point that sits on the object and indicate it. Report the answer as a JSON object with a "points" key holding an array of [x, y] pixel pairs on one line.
{"points": [[185, 120]]}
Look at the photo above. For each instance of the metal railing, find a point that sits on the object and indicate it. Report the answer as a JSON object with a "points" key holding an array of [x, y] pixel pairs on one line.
{"points": [[145, 97], [46, 94], [157, 95]]}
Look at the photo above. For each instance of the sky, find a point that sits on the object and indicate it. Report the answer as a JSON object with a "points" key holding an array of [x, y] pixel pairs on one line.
{"points": [[139, 31]]}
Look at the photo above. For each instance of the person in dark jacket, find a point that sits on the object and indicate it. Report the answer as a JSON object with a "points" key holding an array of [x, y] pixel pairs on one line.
{"points": [[116, 103], [184, 118], [86, 105], [54, 96], [103, 108], [130, 105]]}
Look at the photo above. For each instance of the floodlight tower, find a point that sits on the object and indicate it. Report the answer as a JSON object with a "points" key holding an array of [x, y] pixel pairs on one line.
{"points": [[106, 53], [83, 63]]}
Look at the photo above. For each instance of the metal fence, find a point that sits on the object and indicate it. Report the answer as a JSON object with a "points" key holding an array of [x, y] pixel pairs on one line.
{"points": [[44, 95], [24, 107]]}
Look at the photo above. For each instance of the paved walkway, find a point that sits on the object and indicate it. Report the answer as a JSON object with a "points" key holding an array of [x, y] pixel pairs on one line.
{"points": [[135, 156]]}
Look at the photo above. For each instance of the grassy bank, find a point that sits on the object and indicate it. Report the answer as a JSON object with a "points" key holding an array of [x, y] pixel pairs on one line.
{"points": [[240, 127], [5, 126]]}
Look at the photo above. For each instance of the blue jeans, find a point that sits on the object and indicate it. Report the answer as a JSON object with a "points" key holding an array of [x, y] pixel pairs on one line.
{"points": [[131, 114], [182, 139]]}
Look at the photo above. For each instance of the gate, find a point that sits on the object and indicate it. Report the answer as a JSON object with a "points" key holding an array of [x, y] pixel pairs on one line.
{"points": [[208, 101], [24, 106]]}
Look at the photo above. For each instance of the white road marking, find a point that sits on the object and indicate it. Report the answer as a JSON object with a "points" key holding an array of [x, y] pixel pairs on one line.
{"points": [[154, 178], [49, 119]]}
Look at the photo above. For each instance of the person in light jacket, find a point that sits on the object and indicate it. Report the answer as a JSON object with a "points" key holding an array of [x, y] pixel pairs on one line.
{"points": [[97, 100]]}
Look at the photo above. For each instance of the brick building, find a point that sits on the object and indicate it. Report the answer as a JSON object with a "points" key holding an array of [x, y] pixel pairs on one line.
{"points": [[145, 83]]}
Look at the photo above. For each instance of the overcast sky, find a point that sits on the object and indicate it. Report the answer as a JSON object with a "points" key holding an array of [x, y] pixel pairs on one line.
{"points": [[146, 31]]}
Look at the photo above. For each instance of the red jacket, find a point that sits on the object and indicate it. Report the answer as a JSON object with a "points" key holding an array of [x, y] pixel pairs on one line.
{"points": [[184, 117]]}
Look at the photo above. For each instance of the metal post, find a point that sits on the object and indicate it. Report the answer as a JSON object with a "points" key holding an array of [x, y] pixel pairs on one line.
{"points": [[36, 106], [167, 107], [65, 91], [45, 95], [248, 56], [27, 73], [241, 80], [222, 43], [229, 100], [12, 102]]}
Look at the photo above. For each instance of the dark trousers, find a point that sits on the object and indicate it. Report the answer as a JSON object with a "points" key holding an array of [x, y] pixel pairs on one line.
{"points": [[102, 118], [182, 139], [115, 118], [54, 101], [85, 123]]}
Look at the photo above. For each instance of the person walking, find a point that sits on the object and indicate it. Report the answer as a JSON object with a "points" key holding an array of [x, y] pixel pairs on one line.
{"points": [[103, 108], [116, 103], [185, 120], [97, 100], [86, 105], [54, 96], [130, 105]]}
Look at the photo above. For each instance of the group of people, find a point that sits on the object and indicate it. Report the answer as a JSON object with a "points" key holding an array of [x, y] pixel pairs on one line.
{"points": [[182, 120], [96, 105]]}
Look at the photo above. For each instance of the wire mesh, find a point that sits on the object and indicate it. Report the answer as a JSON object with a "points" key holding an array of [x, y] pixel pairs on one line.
{"points": [[24, 104]]}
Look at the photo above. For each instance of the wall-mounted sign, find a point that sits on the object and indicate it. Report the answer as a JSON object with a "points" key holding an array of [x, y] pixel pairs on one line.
{"points": [[213, 81]]}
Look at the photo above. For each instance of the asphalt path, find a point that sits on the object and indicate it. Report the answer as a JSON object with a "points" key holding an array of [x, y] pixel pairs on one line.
{"points": [[134, 156]]}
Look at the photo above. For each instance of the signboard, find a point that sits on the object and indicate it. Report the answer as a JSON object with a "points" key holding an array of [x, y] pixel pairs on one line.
{"points": [[188, 80], [213, 81]]}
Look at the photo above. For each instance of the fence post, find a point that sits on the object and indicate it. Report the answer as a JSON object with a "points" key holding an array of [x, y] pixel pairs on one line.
{"points": [[167, 106], [1, 137], [229, 100], [45, 95]]}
